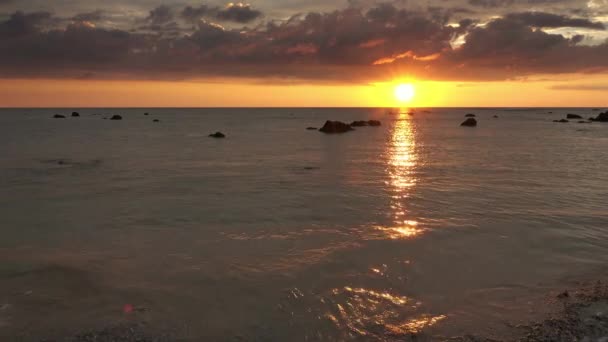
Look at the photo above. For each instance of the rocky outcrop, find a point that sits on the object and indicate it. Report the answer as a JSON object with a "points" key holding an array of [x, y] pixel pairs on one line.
{"points": [[116, 117], [312, 128], [573, 116], [358, 123], [470, 122], [58, 116], [374, 123], [217, 135], [561, 121], [333, 127], [602, 117], [75, 114]]}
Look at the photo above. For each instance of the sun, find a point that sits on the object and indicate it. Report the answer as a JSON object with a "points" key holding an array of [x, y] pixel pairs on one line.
{"points": [[405, 92]]}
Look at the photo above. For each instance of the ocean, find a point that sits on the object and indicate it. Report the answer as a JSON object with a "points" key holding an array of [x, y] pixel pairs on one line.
{"points": [[419, 227]]}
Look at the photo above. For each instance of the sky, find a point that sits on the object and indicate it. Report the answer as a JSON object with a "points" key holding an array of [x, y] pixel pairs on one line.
{"points": [[314, 53]]}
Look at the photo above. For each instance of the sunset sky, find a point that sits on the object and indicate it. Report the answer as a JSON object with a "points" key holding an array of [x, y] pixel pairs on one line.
{"points": [[311, 53]]}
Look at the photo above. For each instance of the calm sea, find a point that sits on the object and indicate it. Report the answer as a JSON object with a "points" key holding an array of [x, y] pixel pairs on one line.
{"points": [[276, 233]]}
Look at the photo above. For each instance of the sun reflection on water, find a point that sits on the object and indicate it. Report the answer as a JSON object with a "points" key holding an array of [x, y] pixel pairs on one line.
{"points": [[402, 160]]}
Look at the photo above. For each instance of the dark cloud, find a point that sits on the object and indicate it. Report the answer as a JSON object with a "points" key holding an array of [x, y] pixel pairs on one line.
{"points": [[195, 14], [351, 44], [22, 24], [89, 16], [548, 20], [160, 15], [240, 13], [491, 3]]}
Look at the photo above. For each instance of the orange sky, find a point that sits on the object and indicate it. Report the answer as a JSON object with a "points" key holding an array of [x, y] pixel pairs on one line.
{"points": [[245, 93]]}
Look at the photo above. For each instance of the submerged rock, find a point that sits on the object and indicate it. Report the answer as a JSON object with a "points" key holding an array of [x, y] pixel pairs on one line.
{"points": [[217, 135], [312, 128], [495, 116], [146, 114], [584, 121], [469, 115], [469, 123], [561, 121], [573, 116], [75, 114], [332, 127], [58, 116], [155, 120], [116, 117]]}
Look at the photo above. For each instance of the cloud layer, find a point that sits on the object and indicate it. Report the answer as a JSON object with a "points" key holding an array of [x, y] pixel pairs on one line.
{"points": [[471, 40]]}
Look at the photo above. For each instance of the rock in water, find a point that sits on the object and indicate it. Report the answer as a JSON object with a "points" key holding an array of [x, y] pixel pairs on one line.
{"points": [[374, 123], [116, 117], [58, 116], [561, 121], [470, 122], [469, 115], [146, 114], [495, 116], [75, 114], [218, 135], [358, 123], [603, 117], [155, 120], [573, 116], [311, 128], [332, 127]]}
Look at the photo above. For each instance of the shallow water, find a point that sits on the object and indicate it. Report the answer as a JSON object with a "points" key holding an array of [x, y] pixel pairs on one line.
{"points": [[278, 233]]}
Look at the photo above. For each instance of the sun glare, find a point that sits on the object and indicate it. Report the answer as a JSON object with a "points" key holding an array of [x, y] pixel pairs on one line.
{"points": [[405, 92]]}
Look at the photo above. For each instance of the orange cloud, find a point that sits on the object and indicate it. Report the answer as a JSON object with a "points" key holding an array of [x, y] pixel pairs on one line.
{"points": [[407, 54]]}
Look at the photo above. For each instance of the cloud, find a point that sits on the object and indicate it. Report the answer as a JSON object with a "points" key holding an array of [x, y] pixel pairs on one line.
{"points": [[347, 45], [195, 14], [581, 87], [548, 20], [160, 15], [89, 16], [238, 12], [20, 23]]}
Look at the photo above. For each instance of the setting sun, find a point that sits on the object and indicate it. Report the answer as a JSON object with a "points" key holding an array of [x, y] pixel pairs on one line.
{"points": [[405, 92]]}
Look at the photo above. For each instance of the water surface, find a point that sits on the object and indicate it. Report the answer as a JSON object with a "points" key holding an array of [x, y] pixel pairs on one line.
{"points": [[278, 233]]}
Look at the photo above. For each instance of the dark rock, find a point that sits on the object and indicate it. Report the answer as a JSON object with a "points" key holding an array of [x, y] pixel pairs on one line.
{"points": [[358, 123], [563, 295], [332, 127], [374, 123], [155, 120], [573, 116], [116, 117], [146, 114], [58, 116], [550, 112], [561, 121], [495, 116], [603, 117], [75, 114], [584, 121], [218, 135], [312, 128], [470, 122], [469, 115]]}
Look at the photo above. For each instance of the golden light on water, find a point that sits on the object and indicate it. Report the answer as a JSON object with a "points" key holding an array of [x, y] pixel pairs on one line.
{"points": [[402, 160]]}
